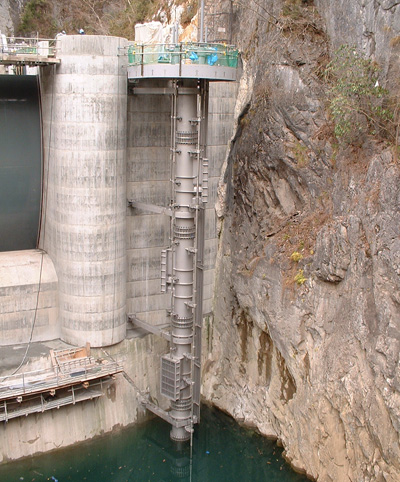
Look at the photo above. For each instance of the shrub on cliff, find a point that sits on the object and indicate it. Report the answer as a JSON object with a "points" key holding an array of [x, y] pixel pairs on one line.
{"points": [[37, 17], [358, 103]]}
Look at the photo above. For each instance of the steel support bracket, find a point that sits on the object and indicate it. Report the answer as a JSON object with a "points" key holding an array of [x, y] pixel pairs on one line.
{"points": [[153, 208], [159, 330]]}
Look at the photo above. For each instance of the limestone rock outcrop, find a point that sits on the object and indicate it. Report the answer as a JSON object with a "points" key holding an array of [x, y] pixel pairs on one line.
{"points": [[305, 339]]}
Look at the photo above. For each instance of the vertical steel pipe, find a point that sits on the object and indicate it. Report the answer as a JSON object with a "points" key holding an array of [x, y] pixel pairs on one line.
{"points": [[184, 231]]}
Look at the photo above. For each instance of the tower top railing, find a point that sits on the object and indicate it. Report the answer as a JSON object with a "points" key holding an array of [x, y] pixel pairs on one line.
{"points": [[186, 53], [192, 59]]}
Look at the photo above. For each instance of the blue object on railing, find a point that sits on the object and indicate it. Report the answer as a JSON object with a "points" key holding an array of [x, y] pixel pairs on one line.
{"points": [[211, 59], [194, 57]]}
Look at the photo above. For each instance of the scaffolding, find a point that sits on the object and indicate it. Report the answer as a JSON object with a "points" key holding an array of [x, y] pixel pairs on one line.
{"points": [[75, 376], [20, 51]]}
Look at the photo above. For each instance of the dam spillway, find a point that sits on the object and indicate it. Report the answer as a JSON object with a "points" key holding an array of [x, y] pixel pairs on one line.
{"points": [[104, 144]]}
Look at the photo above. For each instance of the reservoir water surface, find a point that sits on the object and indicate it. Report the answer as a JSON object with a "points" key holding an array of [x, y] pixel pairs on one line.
{"points": [[222, 451]]}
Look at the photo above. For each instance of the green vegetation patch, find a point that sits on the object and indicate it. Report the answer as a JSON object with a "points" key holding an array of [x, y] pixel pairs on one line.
{"points": [[358, 103], [37, 17]]}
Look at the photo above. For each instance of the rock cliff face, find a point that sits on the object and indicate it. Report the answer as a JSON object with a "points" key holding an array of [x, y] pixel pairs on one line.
{"points": [[305, 339], [10, 11], [6, 26]]}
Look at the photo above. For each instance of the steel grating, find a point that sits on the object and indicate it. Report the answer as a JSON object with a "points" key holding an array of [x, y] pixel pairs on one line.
{"points": [[170, 377]]}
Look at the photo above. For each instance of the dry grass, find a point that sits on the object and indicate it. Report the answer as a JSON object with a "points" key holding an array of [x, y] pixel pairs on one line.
{"points": [[395, 41]]}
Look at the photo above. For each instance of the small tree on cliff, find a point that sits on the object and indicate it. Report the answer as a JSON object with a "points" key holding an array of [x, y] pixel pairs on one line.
{"points": [[357, 101]]}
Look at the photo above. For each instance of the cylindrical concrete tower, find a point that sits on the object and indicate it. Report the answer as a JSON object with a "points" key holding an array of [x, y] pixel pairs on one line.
{"points": [[84, 202]]}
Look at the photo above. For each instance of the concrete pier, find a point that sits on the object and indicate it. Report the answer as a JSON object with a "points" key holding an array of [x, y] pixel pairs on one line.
{"points": [[83, 230], [118, 407]]}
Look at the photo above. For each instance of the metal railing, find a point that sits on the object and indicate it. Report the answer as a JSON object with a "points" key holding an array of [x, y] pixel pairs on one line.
{"points": [[27, 46], [39, 403], [183, 53]]}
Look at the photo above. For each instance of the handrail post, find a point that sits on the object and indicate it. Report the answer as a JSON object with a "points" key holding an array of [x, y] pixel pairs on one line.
{"points": [[142, 60], [202, 22], [180, 59]]}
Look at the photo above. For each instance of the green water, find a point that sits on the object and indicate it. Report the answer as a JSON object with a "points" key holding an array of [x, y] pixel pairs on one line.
{"points": [[222, 451]]}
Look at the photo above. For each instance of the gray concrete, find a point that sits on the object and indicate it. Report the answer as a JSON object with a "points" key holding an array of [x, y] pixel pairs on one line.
{"points": [[84, 120], [148, 176], [102, 147], [174, 71], [148, 180], [20, 275]]}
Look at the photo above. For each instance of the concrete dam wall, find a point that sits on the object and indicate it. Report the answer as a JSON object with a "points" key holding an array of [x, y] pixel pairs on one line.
{"points": [[102, 145]]}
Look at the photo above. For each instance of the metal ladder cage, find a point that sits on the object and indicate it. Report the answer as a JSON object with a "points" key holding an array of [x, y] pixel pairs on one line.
{"points": [[174, 100], [202, 115]]}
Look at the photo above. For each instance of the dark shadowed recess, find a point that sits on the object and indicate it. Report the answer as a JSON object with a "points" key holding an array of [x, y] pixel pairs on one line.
{"points": [[20, 161]]}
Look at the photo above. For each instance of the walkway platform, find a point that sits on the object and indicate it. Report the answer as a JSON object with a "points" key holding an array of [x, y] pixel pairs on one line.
{"points": [[33, 52], [184, 60], [75, 376]]}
